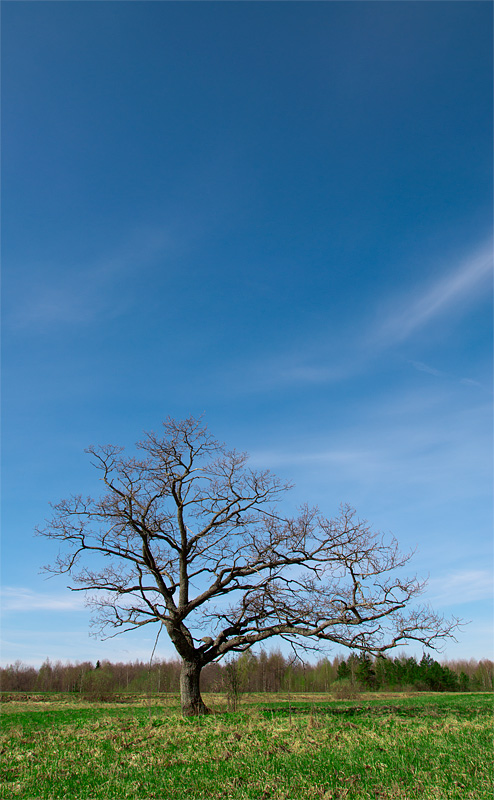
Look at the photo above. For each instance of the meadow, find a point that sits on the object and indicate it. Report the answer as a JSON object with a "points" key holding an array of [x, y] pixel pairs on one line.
{"points": [[378, 746]]}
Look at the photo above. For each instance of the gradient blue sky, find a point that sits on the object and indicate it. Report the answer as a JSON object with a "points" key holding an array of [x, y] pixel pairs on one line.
{"points": [[278, 215]]}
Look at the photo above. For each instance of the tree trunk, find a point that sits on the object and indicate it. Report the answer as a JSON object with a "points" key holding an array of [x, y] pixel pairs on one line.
{"points": [[190, 693]]}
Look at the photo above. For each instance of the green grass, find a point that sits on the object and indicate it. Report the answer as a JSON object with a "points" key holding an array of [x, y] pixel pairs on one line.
{"points": [[378, 747]]}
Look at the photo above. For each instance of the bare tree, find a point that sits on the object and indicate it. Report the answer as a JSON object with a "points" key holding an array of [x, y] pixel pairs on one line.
{"points": [[187, 536]]}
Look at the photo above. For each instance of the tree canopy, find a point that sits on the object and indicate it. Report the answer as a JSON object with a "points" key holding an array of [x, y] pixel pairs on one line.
{"points": [[187, 535]]}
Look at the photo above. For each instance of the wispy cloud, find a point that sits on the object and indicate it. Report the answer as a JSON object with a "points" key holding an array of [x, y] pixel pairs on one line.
{"points": [[413, 449], [73, 643], [454, 288], [470, 382], [459, 587], [18, 598], [337, 458], [77, 293], [280, 370], [328, 356], [421, 367], [307, 373]]}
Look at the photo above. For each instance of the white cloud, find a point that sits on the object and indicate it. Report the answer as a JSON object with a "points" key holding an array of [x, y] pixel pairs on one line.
{"points": [[455, 288], [75, 644], [460, 587], [327, 356], [470, 382], [79, 293], [305, 373], [421, 367], [18, 598], [280, 458], [414, 451]]}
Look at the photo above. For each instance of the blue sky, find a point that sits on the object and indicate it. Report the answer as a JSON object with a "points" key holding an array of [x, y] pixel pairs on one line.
{"points": [[275, 214]]}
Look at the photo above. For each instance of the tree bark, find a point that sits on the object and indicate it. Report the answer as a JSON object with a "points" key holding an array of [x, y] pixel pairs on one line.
{"points": [[190, 693]]}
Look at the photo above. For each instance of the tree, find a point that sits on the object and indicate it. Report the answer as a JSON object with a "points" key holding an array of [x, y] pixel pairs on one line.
{"points": [[344, 672], [186, 535], [364, 672], [463, 682]]}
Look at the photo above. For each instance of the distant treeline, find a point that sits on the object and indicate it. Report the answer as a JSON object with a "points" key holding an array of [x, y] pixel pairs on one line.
{"points": [[250, 672]]}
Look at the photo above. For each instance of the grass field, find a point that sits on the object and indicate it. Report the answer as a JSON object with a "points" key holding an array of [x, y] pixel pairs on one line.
{"points": [[379, 747]]}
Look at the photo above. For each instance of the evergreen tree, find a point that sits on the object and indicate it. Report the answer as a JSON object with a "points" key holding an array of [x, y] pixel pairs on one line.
{"points": [[364, 671], [344, 672]]}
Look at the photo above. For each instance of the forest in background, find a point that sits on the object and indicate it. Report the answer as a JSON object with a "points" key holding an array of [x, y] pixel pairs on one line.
{"points": [[251, 672]]}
